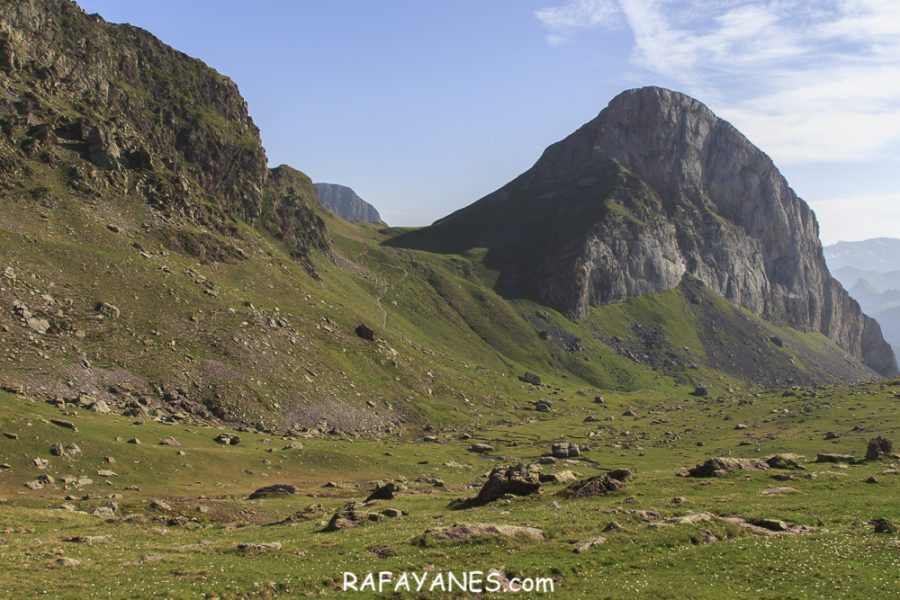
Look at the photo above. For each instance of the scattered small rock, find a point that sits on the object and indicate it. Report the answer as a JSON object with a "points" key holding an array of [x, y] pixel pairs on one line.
{"points": [[258, 548], [883, 526], [467, 531], [383, 492], [565, 450], [597, 485], [160, 505], [146, 559], [355, 514], [785, 461], [518, 480], [104, 512], [227, 439], [275, 490], [65, 424], [532, 378], [561, 477], [107, 310], [587, 545], [481, 448], [721, 466], [365, 332], [777, 491], [67, 562], [90, 540], [835, 458], [769, 526]]}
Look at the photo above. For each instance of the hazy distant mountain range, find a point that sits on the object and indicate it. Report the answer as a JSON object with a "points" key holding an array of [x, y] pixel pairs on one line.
{"points": [[878, 254], [870, 269]]}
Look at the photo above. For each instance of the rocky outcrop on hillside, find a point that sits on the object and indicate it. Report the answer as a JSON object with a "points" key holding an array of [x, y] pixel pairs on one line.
{"points": [[288, 210], [347, 204], [110, 108], [652, 189]]}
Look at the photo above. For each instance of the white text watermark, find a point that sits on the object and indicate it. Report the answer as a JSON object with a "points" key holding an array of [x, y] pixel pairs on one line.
{"points": [[471, 582]]}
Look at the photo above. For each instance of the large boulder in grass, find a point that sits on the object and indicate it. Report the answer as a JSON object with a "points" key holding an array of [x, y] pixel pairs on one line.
{"points": [[463, 532], [365, 332], [835, 458], [597, 485], [723, 465], [785, 460], [561, 477], [532, 378], [878, 448], [356, 514], [273, 491], [565, 450], [518, 480], [383, 492]]}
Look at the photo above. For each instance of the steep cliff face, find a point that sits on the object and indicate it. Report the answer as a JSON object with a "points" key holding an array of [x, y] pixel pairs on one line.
{"points": [[346, 203], [110, 107], [656, 187]]}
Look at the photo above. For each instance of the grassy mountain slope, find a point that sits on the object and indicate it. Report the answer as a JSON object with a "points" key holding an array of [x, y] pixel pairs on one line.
{"points": [[232, 327], [153, 263]]}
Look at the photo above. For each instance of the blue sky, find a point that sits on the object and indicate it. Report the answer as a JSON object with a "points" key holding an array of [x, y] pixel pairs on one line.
{"points": [[425, 106]]}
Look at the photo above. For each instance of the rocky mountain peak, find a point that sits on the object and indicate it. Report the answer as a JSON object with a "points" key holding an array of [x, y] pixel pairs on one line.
{"points": [[654, 189]]}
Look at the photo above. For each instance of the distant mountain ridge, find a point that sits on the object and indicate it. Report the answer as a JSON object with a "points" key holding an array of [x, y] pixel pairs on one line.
{"points": [[874, 299], [877, 254], [345, 203], [870, 269], [890, 325], [878, 281], [655, 189]]}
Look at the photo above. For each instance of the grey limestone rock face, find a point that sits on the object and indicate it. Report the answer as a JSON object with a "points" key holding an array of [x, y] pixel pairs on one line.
{"points": [[654, 189], [346, 203]]}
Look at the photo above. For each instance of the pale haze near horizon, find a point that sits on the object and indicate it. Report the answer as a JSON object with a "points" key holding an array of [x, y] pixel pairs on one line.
{"points": [[422, 108]]}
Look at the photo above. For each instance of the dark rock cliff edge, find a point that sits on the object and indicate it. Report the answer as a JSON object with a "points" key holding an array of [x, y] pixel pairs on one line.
{"points": [[116, 109]]}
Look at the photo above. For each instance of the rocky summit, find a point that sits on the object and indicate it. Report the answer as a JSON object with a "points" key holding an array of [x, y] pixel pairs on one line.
{"points": [[654, 189], [347, 204]]}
